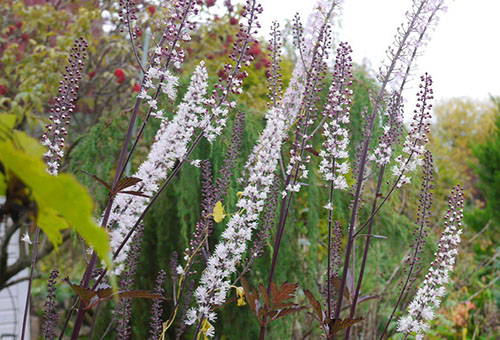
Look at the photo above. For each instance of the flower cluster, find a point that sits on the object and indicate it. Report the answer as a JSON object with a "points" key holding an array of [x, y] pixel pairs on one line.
{"points": [[157, 308], [228, 252], [60, 114], [233, 75], [411, 36], [171, 145], [50, 316], [297, 166], [427, 299], [123, 309], [157, 76], [414, 144], [334, 155], [392, 128], [305, 41]]}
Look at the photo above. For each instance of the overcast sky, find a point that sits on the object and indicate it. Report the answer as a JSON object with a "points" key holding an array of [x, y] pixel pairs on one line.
{"points": [[463, 56]]}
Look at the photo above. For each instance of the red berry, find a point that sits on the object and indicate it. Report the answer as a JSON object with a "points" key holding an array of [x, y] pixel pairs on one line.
{"points": [[91, 74], [25, 36], [120, 80], [233, 21], [137, 87], [119, 73], [3, 90], [19, 24], [11, 29], [152, 9]]}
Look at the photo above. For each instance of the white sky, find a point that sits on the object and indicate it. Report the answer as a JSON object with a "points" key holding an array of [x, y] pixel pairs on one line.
{"points": [[463, 56]]}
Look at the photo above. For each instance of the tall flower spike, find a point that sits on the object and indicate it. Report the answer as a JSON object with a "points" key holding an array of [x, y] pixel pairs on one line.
{"points": [[323, 12], [204, 225], [157, 308], [50, 316], [214, 283], [413, 261], [123, 309], [60, 114], [171, 144], [266, 225], [232, 83], [274, 72], [334, 156], [427, 299], [158, 78], [410, 38], [416, 140], [297, 166], [392, 129]]}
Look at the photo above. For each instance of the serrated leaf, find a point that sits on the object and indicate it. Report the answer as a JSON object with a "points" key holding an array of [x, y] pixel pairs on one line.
{"points": [[264, 294], [85, 294], [315, 304], [63, 194], [340, 324], [127, 182], [251, 297], [274, 291], [51, 223], [285, 292]]}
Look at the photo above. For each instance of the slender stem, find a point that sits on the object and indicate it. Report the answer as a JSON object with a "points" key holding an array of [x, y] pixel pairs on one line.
{"points": [[414, 258], [32, 271], [364, 155], [88, 272], [123, 160], [352, 224], [132, 42], [365, 252], [328, 271]]}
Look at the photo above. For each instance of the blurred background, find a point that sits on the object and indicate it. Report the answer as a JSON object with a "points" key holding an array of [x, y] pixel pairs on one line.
{"points": [[462, 57]]}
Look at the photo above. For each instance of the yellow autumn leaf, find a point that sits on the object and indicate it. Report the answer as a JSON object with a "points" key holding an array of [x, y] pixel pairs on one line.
{"points": [[218, 212], [206, 330], [241, 296]]}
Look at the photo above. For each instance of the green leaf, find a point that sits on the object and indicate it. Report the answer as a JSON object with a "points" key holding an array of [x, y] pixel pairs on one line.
{"points": [[29, 144], [8, 121], [59, 196], [51, 223]]}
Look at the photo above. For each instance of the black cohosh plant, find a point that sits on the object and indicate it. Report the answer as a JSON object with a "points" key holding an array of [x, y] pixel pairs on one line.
{"points": [[282, 159]]}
